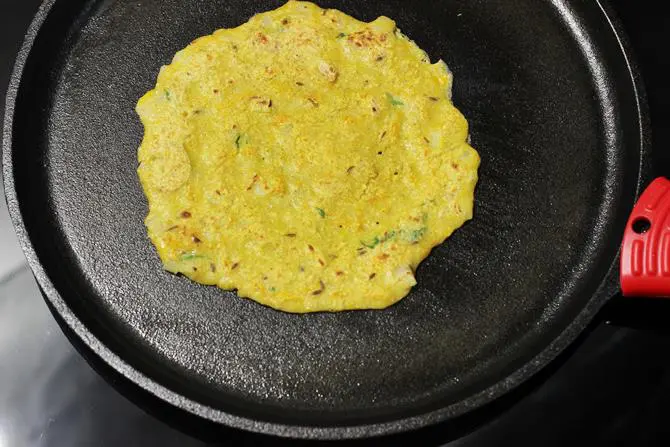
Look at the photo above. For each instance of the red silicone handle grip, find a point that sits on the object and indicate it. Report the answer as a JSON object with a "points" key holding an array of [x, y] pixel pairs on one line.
{"points": [[645, 252]]}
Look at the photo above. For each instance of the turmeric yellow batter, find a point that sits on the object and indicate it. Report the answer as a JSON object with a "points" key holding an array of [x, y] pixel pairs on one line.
{"points": [[307, 159]]}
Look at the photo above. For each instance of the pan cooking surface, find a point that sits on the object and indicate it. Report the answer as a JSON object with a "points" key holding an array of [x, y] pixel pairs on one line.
{"points": [[553, 113]]}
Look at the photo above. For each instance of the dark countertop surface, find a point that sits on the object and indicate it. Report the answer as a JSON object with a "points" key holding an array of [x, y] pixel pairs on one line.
{"points": [[611, 388]]}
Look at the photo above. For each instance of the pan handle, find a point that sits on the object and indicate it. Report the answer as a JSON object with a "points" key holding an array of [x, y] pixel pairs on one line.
{"points": [[645, 251]]}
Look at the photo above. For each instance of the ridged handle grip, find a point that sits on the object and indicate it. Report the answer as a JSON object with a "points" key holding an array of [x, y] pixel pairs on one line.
{"points": [[645, 251]]}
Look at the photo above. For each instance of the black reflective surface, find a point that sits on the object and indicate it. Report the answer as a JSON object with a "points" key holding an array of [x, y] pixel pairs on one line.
{"points": [[613, 388]]}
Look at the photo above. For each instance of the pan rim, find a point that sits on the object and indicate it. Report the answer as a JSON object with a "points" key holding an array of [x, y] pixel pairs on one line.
{"points": [[487, 395]]}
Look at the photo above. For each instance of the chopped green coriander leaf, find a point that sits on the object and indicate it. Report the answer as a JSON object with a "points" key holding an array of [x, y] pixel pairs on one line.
{"points": [[371, 244], [416, 235], [321, 212], [241, 140], [191, 255], [394, 101]]}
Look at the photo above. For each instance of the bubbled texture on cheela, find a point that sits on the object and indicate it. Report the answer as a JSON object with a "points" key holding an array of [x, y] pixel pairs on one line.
{"points": [[307, 159]]}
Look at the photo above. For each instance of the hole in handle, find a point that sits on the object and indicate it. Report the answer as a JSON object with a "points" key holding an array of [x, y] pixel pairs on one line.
{"points": [[641, 225]]}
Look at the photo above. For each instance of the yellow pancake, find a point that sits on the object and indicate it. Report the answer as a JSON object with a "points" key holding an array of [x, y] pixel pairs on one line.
{"points": [[305, 158]]}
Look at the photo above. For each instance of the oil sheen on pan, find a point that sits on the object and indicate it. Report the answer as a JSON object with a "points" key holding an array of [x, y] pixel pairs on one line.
{"points": [[307, 159]]}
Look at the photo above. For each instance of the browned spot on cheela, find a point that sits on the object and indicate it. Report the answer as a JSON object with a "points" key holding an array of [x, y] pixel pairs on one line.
{"points": [[262, 38]]}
